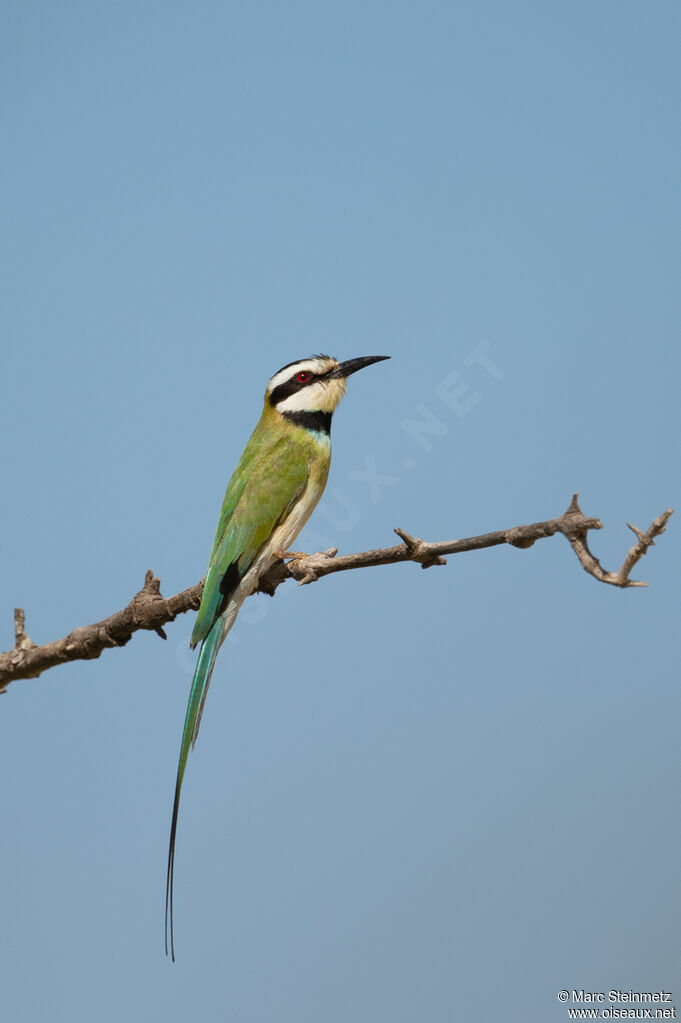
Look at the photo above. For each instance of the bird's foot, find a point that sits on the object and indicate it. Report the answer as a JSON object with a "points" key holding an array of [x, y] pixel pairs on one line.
{"points": [[311, 567], [305, 573]]}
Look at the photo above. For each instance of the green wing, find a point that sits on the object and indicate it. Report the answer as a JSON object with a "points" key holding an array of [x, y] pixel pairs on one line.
{"points": [[267, 482]]}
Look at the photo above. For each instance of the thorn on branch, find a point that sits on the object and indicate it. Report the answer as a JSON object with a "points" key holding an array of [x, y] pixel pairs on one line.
{"points": [[21, 640], [574, 506], [142, 603], [152, 585], [420, 551], [640, 534], [23, 644]]}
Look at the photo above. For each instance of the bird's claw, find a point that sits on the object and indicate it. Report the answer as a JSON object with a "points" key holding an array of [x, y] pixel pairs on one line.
{"points": [[279, 553]]}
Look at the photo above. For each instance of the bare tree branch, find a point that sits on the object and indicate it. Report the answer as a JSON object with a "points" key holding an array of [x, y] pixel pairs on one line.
{"points": [[146, 610], [149, 610]]}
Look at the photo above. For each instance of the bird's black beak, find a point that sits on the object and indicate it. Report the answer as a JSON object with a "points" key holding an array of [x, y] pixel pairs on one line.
{"points": [[345, 369]]}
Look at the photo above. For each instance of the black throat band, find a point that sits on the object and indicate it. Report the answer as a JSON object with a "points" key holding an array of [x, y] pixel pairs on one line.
{"points": [[318, 422]]}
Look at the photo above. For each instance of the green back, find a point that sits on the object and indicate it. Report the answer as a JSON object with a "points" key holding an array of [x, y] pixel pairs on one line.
{"points": [[270, 477]]}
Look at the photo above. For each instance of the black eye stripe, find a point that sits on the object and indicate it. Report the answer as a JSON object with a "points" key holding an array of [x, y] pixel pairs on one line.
{"points": [[293, 385]]}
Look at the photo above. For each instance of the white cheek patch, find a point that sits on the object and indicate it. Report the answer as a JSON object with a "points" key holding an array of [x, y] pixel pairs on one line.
{"points": [[304, 366], [318, 397]]}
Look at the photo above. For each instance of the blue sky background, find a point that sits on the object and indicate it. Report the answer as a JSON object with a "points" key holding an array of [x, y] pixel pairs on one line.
{"points": [[418, 796]]}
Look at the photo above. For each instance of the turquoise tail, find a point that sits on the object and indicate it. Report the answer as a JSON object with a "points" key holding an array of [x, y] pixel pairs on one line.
{"points": [[192, 721]]}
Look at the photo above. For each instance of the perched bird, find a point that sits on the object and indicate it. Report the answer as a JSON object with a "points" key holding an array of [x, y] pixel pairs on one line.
{"points": [[279, 479]]}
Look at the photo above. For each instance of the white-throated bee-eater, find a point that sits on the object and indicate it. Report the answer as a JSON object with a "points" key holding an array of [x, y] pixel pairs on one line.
{"points": [[279, 479]]}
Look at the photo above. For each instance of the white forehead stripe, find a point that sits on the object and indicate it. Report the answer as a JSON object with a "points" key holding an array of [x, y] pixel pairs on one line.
{"points": [[304, 366]]}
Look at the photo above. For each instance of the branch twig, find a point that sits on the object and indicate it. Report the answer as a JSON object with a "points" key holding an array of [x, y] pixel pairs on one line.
{"points": [[149, 610]]}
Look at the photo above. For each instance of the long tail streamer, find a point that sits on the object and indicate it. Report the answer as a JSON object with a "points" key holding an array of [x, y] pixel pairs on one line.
{"points": [[192, 721]]}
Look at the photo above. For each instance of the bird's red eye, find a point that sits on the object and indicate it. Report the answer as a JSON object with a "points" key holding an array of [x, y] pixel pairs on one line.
{"points": [[302, 377]]}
